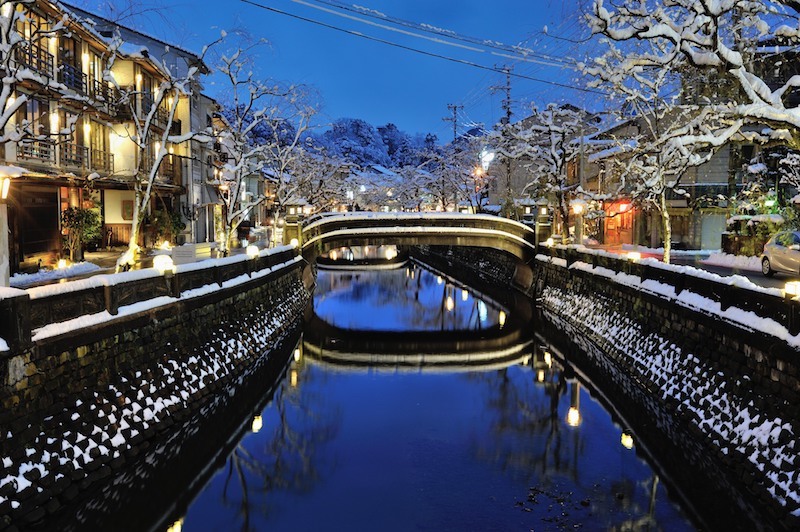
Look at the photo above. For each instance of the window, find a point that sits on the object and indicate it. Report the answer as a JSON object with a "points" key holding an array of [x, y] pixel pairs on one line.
{"points": [[34, 116], [68, 51]]}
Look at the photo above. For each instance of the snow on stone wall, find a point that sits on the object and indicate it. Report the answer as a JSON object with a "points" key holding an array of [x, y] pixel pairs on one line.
{"points": [[103, 424], [741, 420]]}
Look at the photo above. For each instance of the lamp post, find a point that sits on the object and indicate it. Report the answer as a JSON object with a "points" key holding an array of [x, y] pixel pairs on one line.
{"points": [[5, 259], [577, 208]]}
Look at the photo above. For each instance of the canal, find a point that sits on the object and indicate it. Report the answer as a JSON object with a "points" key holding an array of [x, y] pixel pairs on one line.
{"points": [[414, 402]]}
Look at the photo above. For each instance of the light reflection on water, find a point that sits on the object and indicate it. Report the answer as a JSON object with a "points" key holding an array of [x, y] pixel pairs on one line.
{"points": [[517, 448], [406, 299]]}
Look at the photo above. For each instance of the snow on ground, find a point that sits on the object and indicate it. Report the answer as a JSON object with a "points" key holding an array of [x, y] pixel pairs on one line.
{"points": [[43, 275], [739, 262], [673, 252]]}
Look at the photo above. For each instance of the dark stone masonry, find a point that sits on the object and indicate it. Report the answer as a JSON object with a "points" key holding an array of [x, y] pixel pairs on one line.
{"points": [[82, 409], [716, 400]]}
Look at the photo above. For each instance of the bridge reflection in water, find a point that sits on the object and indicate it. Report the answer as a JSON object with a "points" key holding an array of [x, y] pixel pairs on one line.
{"points": [[417, 403], [450, 327]]}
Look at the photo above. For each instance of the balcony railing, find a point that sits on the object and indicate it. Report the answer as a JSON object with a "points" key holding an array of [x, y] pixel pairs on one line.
{"points": [[171, 168], [169, 172], [73, 78], [102, 161], [146, 103], [100, 91], [74, 155], [35, 57], [36, 150]]}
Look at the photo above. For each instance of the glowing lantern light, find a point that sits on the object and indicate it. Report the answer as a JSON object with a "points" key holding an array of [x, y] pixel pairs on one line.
{"points": [[626, 440], [257, 424], [164, 264], [573, 417], [791, 289]]}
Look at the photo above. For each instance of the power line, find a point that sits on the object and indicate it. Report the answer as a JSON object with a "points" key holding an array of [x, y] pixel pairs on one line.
{"points": [[417, 50], [520, 53]]}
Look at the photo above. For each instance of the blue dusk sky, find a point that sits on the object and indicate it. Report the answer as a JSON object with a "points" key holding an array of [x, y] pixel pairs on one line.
{"points": [[360, 78]]}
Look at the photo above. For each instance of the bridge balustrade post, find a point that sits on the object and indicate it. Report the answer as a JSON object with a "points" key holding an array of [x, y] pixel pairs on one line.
{"points": [[111, 298], [15, 322], [794, 316]]}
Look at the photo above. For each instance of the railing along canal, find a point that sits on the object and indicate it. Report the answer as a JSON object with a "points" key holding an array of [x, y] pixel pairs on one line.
{"points": [[28, 310], [767, 303]]}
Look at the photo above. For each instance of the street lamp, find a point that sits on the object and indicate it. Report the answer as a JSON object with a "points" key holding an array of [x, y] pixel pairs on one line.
{"points": [[5, 186], [577, 209], [5, 262]]}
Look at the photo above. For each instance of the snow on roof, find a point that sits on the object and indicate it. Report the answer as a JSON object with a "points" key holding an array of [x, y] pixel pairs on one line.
{"points": [[134, 51], [91, 19]]}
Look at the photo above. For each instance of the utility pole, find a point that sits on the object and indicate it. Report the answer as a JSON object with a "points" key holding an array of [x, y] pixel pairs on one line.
{"points": [[507, 89], [454, 108], [506, 122]]}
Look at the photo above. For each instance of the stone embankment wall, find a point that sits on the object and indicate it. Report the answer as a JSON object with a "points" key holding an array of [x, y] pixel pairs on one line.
{"points": [[721, 395], [80, 406]]}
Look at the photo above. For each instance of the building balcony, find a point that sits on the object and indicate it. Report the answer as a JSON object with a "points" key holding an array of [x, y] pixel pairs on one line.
{"points": [[170, 172], [65, 156], [146, 103], [36, 58], [73, 155], [102, 162], [72, 78], [42, 151]]}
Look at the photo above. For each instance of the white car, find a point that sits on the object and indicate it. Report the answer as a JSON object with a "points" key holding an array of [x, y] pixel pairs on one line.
{"points": [[781, 254]]}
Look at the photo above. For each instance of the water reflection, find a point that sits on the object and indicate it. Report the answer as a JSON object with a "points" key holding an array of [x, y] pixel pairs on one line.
{"points": [[279, 455], [407, 299], [516, 445]]}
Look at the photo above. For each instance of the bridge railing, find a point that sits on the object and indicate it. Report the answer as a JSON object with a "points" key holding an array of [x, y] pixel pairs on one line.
{"points": [[326, 222], [728, 292], [25, 311]]}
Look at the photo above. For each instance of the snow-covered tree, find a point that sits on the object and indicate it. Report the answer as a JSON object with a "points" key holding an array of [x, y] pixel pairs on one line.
{"points": [[668, 130], [322, 178], [287, 120], [23, 42], [737, 43], [247, 137], [546, 143], [356, 141], [152, 109]]}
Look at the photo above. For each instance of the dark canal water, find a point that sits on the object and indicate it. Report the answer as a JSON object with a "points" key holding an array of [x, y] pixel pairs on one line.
{"points": [[415, 404]]}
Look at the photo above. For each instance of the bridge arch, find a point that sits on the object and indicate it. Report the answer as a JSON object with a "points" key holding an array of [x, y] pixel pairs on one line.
{"points": [[328, 231]]}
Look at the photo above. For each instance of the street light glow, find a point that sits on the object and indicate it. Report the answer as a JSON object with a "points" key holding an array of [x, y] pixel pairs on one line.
{"points": [[626, 440], [573, 417], [5, 185], [791, 289], [164, 264]]}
